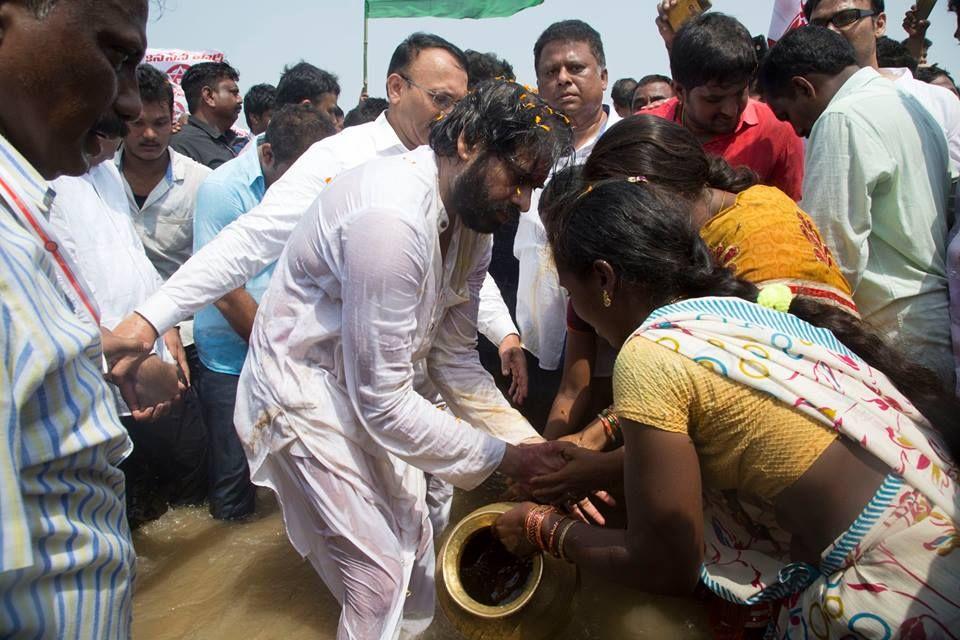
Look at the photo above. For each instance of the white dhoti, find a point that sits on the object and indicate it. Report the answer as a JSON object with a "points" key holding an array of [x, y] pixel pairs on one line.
{"points": [[379, 570]]}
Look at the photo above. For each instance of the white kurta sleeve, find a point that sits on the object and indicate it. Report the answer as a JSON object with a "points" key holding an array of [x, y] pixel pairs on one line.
{"points": [[453, 365], [844, 165], [493, 317], [245, 247], [380, 303]]}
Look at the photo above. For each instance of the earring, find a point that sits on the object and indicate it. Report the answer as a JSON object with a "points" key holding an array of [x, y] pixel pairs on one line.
{"points": [[605, 298]]}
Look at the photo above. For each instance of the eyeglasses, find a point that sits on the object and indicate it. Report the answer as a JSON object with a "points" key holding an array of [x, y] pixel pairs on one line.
{"points": [[442, 101], [843, 19]]}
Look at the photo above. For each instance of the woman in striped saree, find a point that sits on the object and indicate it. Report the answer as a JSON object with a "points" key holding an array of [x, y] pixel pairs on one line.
{"points": [[778, 451]]}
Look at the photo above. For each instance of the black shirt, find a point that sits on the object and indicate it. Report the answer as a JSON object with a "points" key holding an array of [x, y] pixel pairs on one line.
{"points": [[204, 143]]}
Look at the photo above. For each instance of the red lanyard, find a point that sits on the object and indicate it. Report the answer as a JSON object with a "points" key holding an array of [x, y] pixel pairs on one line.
{"points": [[53, 248]]}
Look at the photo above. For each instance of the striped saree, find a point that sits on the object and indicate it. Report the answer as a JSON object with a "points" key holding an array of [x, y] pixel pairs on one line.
{"points": [[896, 571]]}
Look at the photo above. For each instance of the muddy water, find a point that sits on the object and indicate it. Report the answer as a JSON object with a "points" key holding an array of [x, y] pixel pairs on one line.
{"points": [[202, 579]]}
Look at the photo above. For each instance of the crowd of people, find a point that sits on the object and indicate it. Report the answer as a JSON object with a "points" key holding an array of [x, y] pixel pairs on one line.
{"points": [[709, 331]]}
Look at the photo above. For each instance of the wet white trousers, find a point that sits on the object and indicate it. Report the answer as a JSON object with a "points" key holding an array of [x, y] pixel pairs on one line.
{"points": [[383, 578]]}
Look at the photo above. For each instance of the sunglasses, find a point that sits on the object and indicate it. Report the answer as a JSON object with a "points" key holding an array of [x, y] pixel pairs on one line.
{"points": [[442, 101], [843, 19]]}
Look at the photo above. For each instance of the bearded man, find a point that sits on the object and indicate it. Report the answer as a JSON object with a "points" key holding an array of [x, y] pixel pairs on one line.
{"points": [[380, 281]]}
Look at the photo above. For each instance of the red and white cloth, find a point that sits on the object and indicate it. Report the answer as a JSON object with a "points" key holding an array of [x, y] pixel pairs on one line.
{"points": [[787, 16]]}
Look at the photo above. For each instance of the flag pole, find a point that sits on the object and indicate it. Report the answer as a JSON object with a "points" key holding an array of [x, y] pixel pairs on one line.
{"points": [[365, 33]]}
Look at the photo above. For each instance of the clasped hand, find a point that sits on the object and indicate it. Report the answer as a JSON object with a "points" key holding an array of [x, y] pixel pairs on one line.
{"points": [[149, 386], [567, 476]]}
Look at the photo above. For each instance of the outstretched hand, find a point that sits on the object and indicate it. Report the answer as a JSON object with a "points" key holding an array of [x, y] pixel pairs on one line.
{"points": [[583, 473], [513, 364]]}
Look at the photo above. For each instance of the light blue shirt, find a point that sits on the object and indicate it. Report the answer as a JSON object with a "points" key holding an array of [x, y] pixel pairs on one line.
{"points": [[233, 189]]}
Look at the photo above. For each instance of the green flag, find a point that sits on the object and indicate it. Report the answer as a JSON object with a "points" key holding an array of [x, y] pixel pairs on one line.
{"points": [[446, 8]]}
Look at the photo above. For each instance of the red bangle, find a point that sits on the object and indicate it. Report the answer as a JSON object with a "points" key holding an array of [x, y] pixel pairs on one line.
{"points": [[532, 522], [538, 532]]}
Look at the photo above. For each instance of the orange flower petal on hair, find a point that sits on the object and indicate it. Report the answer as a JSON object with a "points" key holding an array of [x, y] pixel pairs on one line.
{"points": [[544, 127]]}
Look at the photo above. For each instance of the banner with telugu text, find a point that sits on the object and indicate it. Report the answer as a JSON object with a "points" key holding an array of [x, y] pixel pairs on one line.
{"points": [[174, 63], [446, 8]]}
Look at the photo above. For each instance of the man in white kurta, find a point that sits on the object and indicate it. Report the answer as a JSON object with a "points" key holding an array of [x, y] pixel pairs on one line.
{"points": [[380, 279]]}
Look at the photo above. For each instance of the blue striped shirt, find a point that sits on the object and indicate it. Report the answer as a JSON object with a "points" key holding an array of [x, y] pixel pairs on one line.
{"points": [[66, 558]]}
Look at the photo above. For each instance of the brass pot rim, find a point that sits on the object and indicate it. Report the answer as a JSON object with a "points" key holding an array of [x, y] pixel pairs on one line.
{"points": [[452, 550]]}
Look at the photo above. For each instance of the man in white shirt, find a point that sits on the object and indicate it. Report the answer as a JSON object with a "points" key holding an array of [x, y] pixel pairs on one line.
{"points": [[571, 77], [425, 78], [380, 285], [161, 184], [861, 22], [161, 187], [89, 214]]}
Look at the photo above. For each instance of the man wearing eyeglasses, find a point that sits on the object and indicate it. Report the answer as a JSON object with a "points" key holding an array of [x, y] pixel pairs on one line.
{"points": [[861, 22], [425, 79]]}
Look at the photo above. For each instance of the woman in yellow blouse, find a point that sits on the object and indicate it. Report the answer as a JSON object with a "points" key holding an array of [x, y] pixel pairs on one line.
{"points": [[774, 451]]}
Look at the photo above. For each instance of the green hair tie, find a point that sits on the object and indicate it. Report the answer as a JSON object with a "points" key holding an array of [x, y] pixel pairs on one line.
{"points": [[776, 296]]}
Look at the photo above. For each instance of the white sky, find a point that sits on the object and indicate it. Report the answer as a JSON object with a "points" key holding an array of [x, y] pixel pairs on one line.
{"points": [[260, 37]]}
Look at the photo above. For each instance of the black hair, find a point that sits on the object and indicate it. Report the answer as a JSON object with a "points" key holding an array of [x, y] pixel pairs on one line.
{"points": [[304, 81], [259, 99], [408, 50], [664, 153], [802, 52], [652, 245], [293, 128], [154, 86], [622, 92], [367, 111], [504, 118], [891, 53], [932, 72], [811, 5], [486, 66], [563, 188], [654, 77], [570, 31], [204, 74], [713, 47]]}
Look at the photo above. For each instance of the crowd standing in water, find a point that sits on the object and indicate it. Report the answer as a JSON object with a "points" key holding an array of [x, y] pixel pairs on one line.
{"points": [[708, 355]]}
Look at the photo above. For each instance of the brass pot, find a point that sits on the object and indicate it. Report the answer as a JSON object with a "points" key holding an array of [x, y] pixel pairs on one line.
{"points": [[539, 611]]}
